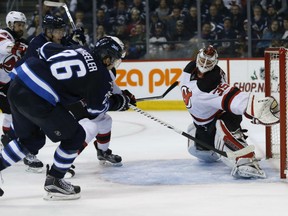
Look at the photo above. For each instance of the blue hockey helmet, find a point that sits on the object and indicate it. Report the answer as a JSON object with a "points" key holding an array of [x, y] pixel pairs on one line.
{"points": [[53, 22], [109, 47]]}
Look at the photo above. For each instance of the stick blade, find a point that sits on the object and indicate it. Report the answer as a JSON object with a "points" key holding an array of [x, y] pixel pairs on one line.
{"points": [[53, 4], [241, 152], [170, 88]]}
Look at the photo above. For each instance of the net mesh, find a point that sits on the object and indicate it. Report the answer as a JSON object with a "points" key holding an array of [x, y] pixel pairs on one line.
{"points": [[279, 138]]}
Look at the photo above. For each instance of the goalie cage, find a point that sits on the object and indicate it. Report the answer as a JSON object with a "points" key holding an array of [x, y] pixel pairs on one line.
{"points": [[276, 84]]}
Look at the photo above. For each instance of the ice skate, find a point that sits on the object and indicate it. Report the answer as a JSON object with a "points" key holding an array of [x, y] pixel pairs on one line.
{"points": [[106, 158], [59, 189], [247, 168], [33, 164]]}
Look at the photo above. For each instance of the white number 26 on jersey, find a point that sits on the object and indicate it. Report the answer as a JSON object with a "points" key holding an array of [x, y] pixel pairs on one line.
{"points": [[64, 69]]}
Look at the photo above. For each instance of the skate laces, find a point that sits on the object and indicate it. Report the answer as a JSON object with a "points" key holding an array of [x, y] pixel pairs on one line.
{"points": [[66, 185]]}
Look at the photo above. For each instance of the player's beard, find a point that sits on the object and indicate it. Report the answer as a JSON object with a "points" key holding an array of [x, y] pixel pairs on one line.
{"points": [[19, 34]]}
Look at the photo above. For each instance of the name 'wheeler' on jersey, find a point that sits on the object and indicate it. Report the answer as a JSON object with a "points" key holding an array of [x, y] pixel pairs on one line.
{"points": [[38, 94]]}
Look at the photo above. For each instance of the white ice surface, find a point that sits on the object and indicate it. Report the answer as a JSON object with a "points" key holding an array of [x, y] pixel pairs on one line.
{"points": [[158, 178]]}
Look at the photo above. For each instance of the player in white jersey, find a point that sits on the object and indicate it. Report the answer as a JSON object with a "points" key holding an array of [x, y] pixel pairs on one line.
{"points": [[217, 109], [12, 48]]}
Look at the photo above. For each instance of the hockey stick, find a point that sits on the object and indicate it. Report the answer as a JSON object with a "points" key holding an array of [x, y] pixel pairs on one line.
{"points": [[231, 155], [61, 4], [160, 96]]}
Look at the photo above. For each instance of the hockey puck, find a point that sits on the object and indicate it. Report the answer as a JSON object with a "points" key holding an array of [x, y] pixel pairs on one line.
{"points": [[1, 192]]}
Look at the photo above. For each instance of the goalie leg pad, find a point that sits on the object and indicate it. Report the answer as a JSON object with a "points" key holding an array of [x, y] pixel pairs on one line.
{"points": [[203, 155], [245, 167], [262, 111]]}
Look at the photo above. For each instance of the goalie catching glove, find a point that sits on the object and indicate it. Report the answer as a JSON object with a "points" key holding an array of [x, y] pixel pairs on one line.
{"points": [[262, 111]]}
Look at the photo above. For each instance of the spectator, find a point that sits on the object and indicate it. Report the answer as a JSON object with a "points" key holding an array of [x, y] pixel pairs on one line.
{"points": [[163, 10], [158, 42], [118, 15], [228, 36], [237, 18], [281, 6], [214, 17], [154, 20], [135, 19], [34, 28], [285, 34], [258, 20], [221, 7], [270, 36], [272, 15], [191, 21], [140, 6], [180, 35], [208, 37], [137, 40], [102, 19], [242, 49], [172, 19], [100, 32]]}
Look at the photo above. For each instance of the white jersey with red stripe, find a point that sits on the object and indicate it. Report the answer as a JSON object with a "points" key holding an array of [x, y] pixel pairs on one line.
{"points": [[206, 97], [7, 60]]}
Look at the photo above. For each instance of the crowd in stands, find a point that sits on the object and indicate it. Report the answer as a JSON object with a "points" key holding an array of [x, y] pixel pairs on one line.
{"points": [[173, 25]]}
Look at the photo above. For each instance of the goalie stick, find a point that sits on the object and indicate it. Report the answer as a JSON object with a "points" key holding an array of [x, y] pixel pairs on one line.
{"points": [[160, 96], [231, 155]]}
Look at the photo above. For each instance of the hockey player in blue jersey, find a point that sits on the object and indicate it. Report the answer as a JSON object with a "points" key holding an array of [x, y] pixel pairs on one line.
{"points": [[100, 128], [54, 30], [38, 94]]}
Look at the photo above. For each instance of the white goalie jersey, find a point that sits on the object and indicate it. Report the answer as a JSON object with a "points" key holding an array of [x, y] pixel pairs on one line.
{"points": [[208, 96]]}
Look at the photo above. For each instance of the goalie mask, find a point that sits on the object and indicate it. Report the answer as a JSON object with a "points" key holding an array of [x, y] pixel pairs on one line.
{"points": [[112, 48], [207, 59]]}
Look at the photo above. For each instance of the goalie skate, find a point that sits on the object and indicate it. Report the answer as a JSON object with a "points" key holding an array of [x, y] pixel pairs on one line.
{"points": [[106, 158], [59, 189], [247, 168], [33, 164]]}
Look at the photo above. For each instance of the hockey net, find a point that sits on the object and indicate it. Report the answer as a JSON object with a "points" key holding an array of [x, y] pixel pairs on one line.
{"points": [[276, 85]]}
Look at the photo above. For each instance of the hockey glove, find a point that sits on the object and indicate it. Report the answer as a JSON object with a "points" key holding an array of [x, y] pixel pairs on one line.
{"points": [[119, 102], [19, 49], [130, 96], [78, 36]]}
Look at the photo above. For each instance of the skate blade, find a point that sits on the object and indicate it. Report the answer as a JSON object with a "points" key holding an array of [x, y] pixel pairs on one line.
{"points": [[49, 196], [106, 163], [34, 169]]}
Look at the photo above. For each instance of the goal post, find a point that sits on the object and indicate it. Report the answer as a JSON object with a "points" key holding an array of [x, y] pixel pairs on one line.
{"points": [[276, 85]]}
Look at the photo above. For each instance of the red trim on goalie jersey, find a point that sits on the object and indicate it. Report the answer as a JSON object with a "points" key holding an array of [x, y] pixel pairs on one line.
{"points": [[207, 119], [228, 98], [232, 143]]}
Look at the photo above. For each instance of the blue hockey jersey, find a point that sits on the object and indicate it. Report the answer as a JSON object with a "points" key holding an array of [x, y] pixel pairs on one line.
{"points": [[65, 75]]}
